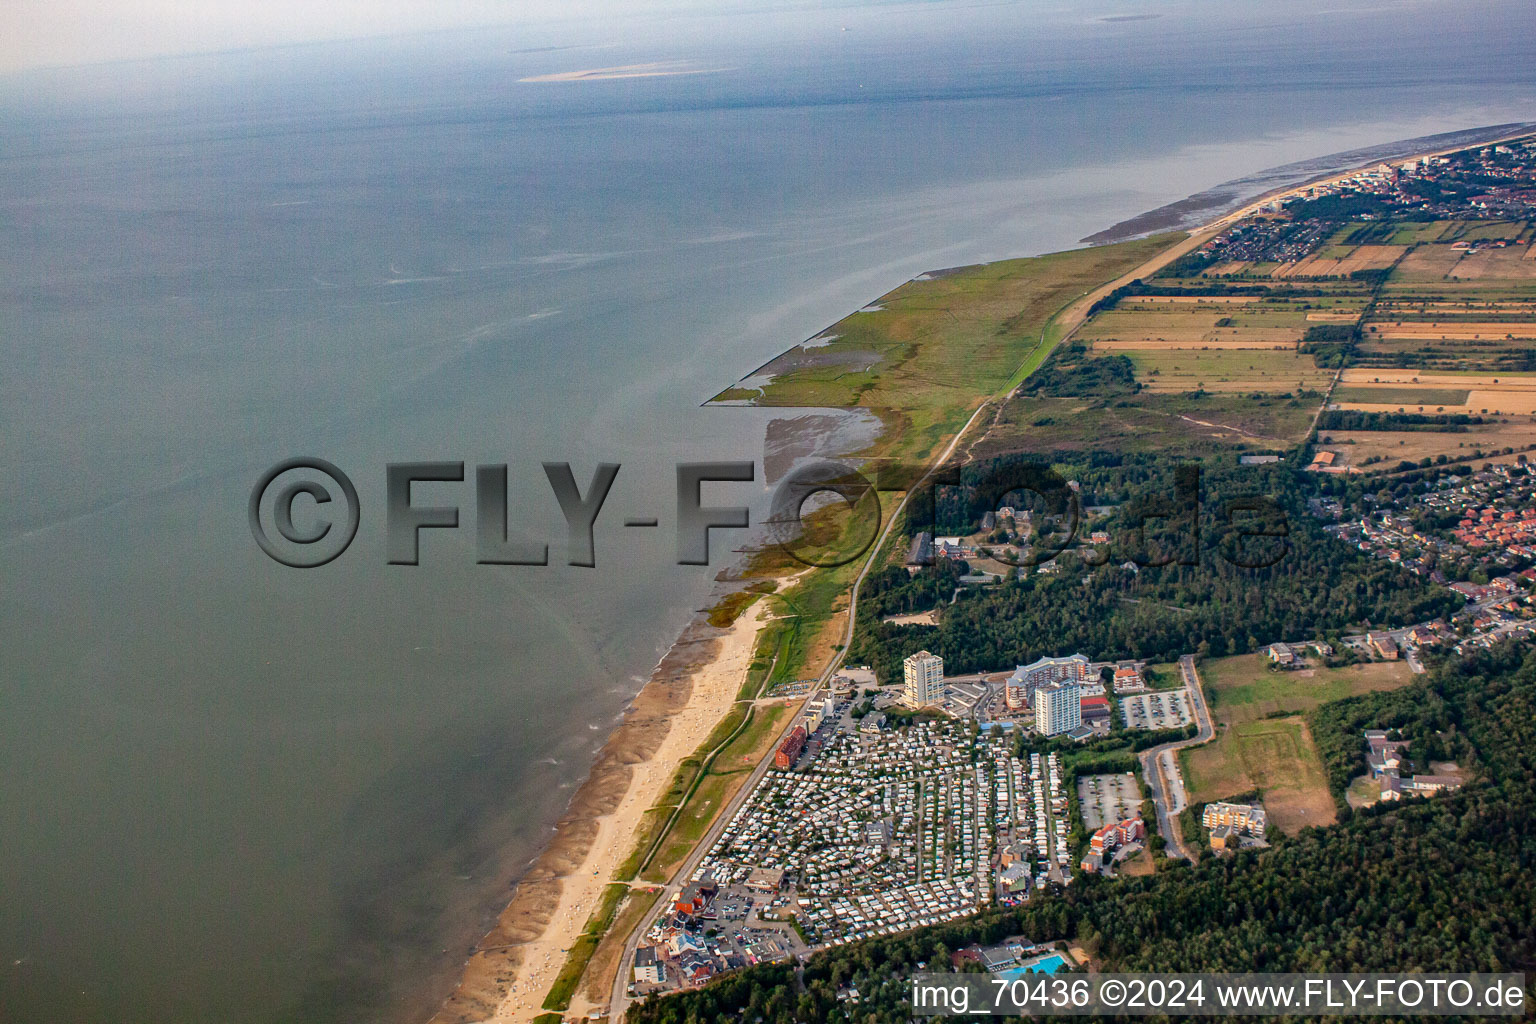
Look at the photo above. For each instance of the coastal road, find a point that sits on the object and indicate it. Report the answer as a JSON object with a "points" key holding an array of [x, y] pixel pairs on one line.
{"points": [[1159, 764], [619, 1002]]}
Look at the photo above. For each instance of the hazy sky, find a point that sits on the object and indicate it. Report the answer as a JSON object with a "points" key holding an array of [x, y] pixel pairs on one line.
{"points": [[44, 33]]}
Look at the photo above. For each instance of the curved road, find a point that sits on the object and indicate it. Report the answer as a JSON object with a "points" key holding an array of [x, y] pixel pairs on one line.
{"points": [[619, 1002], [1071, 317], [1159, 763]]}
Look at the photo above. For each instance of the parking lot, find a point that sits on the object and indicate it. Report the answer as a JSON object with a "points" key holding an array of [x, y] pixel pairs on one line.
{"points": [[1106, 799], [752, 925], [1160, 709]]}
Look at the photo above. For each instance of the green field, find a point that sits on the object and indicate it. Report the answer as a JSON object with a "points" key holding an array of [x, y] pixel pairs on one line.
{"points": [[1174, 423], [1244, 687], [604, 962], [581, 951], [1488, 231], [1265, 369], [767, 721], [1275, 755], [940, 344], [1413, 233], [712, 794], [1400, 396]]}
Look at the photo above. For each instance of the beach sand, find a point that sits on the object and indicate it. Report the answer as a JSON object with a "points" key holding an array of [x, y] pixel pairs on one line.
{"points": [[689, 693], [507, 979]]}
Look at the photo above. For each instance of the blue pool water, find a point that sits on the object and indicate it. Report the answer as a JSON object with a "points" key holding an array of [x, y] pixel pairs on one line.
{"points": [[1045, 965]]}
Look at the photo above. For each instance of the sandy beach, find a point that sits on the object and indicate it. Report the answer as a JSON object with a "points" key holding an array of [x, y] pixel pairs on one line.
{"points": [[689, 692]]}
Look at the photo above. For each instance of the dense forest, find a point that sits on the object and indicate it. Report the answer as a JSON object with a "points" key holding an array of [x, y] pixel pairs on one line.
{"points": [[1071, 372], [1205, 601], [1356, 419], [1447, 883]]}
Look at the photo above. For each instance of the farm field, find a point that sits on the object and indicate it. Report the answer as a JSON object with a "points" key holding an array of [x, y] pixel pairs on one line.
{"points": [[1409, 234], [1514, 262], [1185, 327], [1427, 263], [1241, 371], [1341, 261], [918, 365], [1440, 391], [1470, 379], [1381, 450], [1449, 330], [1426, 308], [1379, 396], [1483, 355]]}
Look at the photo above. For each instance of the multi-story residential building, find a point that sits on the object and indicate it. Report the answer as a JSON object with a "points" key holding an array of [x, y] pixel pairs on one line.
{"points": [[1241, 817], [790, 749], [924, 679], [1026, 679], [1057, 708]]}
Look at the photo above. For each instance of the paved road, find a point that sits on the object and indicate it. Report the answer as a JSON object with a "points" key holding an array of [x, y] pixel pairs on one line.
{"points": [[1070, 318], [1159, 763], [619, 1001]]}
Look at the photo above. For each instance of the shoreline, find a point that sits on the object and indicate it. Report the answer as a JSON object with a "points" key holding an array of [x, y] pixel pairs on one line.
{"points": [[1215, 202], [689, 692]]}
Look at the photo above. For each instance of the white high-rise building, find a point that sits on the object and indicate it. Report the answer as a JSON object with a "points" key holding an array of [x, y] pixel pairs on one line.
{"points": [[924, 678], [1058, 708]]}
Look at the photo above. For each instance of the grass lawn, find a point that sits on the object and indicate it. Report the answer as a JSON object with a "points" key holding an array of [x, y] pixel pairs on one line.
{"points": [[605, 962], [1274, 755], [941, 343], [581, 951], [1363, 792], [1138, 866], [1243, 688], [746, 750]]}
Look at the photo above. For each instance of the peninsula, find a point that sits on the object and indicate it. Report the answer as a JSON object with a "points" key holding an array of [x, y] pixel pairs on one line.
{"points": [[1300, 347]]}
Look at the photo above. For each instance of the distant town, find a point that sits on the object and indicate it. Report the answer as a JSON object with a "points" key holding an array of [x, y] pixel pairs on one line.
{"points": [[1031, 709]]}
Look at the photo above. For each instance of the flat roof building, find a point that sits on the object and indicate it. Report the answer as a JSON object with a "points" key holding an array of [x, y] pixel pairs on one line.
{"points": [[924, 676], [1057, 708]]}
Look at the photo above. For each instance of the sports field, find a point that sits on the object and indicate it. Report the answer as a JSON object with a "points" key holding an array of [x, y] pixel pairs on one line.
{"points": [[1274, 755]]}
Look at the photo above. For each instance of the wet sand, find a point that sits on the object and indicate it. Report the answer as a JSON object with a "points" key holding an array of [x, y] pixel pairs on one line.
{"points": [[689, 692], [1194, 211], [691, 689]]}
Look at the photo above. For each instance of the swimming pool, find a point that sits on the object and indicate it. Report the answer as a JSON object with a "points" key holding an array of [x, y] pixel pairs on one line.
{"points": [[1044, 965], [1048, 965]]}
